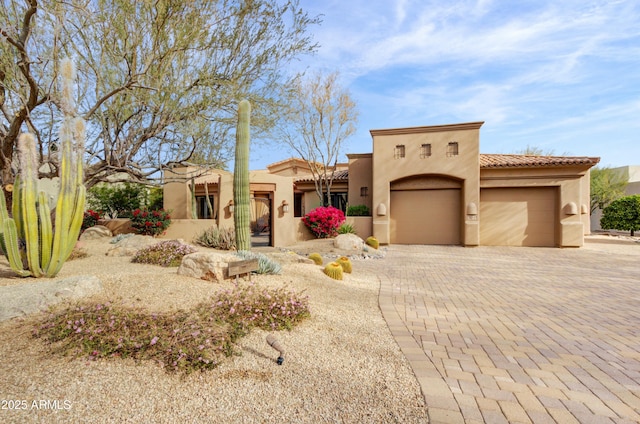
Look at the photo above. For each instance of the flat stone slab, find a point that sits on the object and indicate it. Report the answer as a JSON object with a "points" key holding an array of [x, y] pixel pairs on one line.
{"points": [[27, 298]]}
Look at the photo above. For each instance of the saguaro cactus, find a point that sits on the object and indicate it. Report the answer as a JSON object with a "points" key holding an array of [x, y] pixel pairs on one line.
{"points": [[27, 238], [242, 213]]}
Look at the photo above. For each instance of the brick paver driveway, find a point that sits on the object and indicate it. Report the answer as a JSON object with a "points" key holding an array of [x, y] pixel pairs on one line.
{"points": [[517, 335]]}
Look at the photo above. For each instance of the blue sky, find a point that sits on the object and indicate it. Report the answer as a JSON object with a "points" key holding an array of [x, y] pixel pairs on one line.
{"points": [[563, 76]]}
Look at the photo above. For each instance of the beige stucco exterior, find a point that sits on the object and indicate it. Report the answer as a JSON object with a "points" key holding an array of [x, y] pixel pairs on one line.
{"points": [[423, 185], [421, 173]]}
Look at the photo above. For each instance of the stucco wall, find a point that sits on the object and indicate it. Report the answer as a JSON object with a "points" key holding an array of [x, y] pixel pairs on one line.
{"points": [[464, 166], [572, 186], [360, 175]]}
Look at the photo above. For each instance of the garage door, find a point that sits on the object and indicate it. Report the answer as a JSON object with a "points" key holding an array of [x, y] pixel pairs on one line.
{"points": [[425, 216], [518, 216]]}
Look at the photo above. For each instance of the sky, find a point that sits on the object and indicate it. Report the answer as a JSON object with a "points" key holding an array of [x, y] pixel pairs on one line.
{"points": [[562, 76]]}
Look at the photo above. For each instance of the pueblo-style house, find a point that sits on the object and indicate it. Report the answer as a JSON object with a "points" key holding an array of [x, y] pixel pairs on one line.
{"points": [[422, 185]]}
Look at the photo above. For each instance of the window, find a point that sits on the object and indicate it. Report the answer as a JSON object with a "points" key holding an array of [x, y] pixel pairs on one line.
{"points": [[203, 209], [425, 151], [452, 149], [338, 201], [399, 151]]}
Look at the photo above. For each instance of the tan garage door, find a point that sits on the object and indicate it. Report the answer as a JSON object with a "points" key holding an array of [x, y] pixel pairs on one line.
{"points": [[518, 216], [425, 216]]}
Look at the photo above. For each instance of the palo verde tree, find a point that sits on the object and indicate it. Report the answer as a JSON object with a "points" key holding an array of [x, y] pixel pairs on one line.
{"points": [[607, 185], [320, 117], [622, 214], [159, 79]]}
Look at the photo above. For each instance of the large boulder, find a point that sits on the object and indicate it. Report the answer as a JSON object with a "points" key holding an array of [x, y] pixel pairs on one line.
{"points": [[27, 298], [96, 232], [210, 266], [118, 225], [129, 246], [349, 242]]}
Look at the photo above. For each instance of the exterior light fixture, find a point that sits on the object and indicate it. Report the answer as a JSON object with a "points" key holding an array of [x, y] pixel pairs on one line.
{"points": [[285, 206], [571, 209], [230, 206], [381, 210], [364, 191], [274, 343]]}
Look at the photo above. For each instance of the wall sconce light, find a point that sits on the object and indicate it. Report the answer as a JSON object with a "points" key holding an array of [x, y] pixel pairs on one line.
{"points": [[381, 210], [364, 191], [285, 206], [571, 209], [230, 206], [584, 209], [472, 209]]}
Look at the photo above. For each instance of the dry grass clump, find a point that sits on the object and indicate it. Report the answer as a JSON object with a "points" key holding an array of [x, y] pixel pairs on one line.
{"points": [[78, 253], [184, 341]]}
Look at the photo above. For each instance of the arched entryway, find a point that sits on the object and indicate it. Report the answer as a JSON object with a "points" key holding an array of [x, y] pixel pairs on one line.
{"points": [[426, 209], [261, 222]]}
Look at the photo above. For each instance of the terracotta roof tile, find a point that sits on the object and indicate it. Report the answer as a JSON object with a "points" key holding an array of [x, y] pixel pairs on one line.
{"points": [[528, 161], [338, 176]]}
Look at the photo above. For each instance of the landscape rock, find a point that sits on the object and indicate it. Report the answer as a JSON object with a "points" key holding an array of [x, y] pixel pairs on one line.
{"points": [[349, 242], [118, 225], [210, 266], [130, 245], [27, 298], [96, 232]]}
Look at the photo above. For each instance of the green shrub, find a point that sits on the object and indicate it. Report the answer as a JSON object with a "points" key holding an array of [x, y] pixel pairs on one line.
{"points": [[217, 238], [346, 229], [316, 258], [116, 200], [373, 242], [358, 210], [266, 265], [150, 223], [622, 214], [167, 253], [90, 219], [182, 341]]}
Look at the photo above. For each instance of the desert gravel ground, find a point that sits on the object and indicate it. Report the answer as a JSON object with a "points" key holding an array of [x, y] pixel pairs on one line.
{"points": [[342, 365]]}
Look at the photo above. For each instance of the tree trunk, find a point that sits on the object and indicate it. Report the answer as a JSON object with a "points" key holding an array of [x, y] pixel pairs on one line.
{"points": [[7, 182]]}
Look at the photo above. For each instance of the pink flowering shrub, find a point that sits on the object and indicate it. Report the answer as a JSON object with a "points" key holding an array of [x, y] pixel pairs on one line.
{"points": [[324, 222], [181, 341]]}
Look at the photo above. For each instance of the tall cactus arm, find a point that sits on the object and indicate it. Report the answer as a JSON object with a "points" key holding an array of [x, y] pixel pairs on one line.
{"points": [[241, 178], [65, 241], [4, 215], [17, 205], [28, 199], [9, 240], [46, 231], [10, 236]]}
